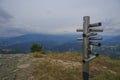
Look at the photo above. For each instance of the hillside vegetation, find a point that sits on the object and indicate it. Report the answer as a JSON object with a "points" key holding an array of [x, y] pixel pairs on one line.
{"points": [[68, 66], [62, 43]]}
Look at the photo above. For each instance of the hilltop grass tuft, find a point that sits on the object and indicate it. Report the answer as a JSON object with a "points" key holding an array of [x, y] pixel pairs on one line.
{"points": [[38, 54], [68, 56]]}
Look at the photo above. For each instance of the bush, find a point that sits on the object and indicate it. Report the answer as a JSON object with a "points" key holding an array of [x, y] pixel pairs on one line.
{"points": [[36, 48]]}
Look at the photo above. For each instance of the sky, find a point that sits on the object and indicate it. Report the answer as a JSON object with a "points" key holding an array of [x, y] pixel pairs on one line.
{"points": [[18, 17]]}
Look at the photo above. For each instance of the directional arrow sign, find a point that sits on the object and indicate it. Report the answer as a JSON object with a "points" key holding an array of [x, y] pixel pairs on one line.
{"points": [[79, 38], [95, 38], [90, 58], [95, 43], [91, 34], [79, 30], [95, 24], [96, 30]]}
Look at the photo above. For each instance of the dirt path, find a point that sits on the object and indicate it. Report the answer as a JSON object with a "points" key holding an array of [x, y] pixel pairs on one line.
{"points": [[19, 66], [15, 66]]}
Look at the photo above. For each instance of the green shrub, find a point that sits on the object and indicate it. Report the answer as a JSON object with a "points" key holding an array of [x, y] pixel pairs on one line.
{"points": [[36, 48]]}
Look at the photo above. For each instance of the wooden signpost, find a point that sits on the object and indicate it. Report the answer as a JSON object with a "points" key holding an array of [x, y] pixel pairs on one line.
{"points": [[88, 36]]}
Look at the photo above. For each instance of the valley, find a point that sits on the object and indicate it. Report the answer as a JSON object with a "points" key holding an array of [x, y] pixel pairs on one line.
{"points": [[57, 43]]}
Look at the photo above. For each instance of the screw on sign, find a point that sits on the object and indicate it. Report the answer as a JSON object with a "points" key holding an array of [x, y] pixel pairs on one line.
{"points": [[89, 33]]}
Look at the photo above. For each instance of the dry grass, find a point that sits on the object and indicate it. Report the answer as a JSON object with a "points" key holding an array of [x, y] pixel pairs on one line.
{"points": [[67, 66], [46, 70], [104, 68], [67, 56], [38, 54], [58, 67]]}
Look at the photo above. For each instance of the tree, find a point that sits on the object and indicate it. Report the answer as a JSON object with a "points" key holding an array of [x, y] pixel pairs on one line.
{"points": [[36, 47]]}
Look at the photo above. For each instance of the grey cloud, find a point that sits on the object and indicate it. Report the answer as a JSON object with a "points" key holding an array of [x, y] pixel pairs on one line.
{"points": [[11, 31], [4, 16], [5, 28], [52, 16], [111, 27]]}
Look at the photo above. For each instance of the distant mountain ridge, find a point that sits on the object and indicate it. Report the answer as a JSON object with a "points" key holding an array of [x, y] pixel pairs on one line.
{"points": [[59, 43], [25, 41]]}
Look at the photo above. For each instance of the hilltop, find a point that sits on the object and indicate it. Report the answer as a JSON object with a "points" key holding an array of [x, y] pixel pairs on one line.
{"points": [[55, 66], [68, 66]]}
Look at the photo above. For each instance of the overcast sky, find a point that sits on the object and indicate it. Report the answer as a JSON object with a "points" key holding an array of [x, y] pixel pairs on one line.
{"points": [[57, 16]]}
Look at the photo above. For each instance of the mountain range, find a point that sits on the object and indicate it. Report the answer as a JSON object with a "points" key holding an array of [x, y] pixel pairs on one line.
{"points": [[57, 43]]}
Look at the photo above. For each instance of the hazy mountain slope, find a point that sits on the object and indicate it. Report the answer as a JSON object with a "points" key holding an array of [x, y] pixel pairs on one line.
{"points": [[37, 37], [23, 43], [68, 46], [58, 43], [110, 47]]}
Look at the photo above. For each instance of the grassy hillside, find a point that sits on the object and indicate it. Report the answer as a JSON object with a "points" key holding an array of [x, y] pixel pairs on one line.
{"points": [[68, 66]]}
